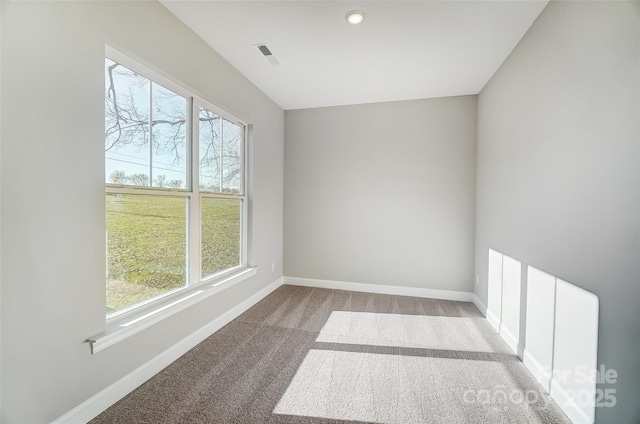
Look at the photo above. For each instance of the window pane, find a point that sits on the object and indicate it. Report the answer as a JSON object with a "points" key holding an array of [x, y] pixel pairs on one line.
{"points": [[220, 234], [146, 247], [210, 151], [232, 141], [169, 119], [126, 133]]}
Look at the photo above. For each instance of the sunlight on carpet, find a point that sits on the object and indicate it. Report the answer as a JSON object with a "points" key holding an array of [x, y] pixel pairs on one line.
{"points": [[419, 331], [392, 388]]}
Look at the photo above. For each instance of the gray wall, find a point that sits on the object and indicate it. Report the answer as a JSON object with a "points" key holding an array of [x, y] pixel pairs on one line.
{"points": [[52, 193], [382, 193], [558, 169]]}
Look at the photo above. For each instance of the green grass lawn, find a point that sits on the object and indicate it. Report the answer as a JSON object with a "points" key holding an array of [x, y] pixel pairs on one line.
{"points": [[147, 244]]}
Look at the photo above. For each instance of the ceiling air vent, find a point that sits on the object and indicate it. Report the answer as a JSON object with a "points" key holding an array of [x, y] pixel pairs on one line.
{"points": [[267, 53]]}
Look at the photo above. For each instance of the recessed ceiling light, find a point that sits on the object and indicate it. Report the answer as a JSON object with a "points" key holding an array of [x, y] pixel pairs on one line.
{"points": [[355, 17]]}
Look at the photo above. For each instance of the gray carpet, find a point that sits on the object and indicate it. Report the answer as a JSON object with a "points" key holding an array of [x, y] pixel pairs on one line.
{"points": [[314, 356]]}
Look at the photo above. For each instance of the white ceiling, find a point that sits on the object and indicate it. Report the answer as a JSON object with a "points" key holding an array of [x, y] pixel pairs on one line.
{"points": [[403, 50]]}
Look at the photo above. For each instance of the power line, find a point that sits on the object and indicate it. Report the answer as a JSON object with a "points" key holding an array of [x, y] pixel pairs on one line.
{"points": [[143, 164], [136, 157]]}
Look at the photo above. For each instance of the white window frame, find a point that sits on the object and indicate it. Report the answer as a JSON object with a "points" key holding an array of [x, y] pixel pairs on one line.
{"points": [[126, 322], [197, 262]]}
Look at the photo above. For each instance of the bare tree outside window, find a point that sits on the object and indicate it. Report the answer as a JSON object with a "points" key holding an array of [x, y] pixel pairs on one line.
{"points": [[138, 110], [145, 128], [220, 154]]}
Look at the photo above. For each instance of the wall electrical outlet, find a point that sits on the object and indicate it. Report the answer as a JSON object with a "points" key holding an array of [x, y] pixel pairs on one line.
{"points": [[273, 266], [477, 279]]}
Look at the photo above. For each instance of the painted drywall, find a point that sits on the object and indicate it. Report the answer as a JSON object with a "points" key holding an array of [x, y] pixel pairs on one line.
{"points": [[511, 289], [540, 318], [382, 193], [494, 289], [575, 345], [52, 193], [558, 175]]}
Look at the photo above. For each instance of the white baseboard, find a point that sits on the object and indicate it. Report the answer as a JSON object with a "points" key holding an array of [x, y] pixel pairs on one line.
{"points": [[508, 337], [381, 289], [542, 374], [575, 413], [520, 351], [95, 405], [476, 301], [493, 320]]}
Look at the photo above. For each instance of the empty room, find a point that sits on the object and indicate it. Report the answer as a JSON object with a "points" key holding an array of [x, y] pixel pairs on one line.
{"points": [[320, 212]]}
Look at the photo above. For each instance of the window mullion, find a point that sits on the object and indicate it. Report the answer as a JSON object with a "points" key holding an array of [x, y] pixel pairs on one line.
{"points": [[150, 133], [244, 226], [221, 152], [195, 204]]}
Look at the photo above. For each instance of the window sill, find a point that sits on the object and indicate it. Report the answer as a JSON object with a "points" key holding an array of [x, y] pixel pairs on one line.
{"points": [[121, 329]]}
